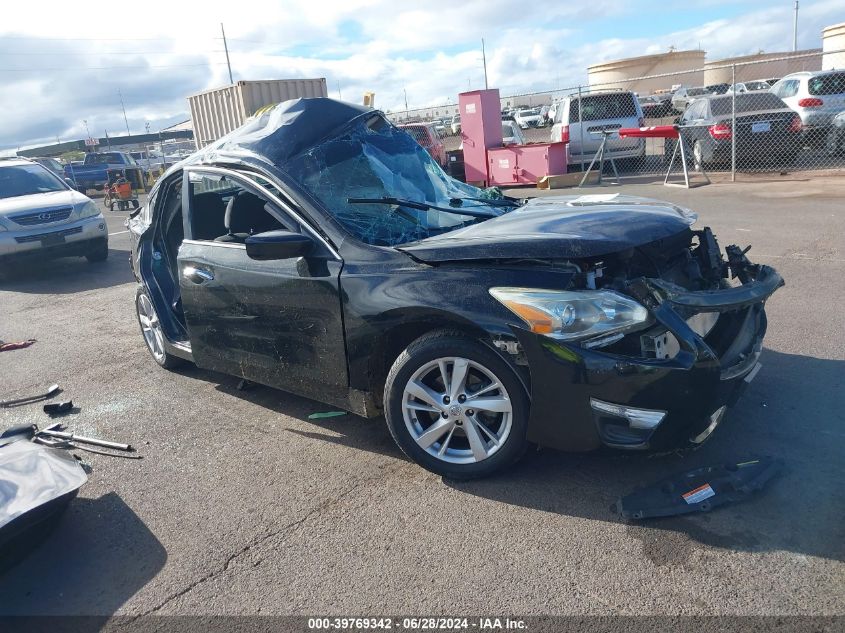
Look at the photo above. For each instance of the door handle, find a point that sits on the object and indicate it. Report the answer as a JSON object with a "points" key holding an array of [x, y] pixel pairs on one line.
{"points": [[197, 275]]}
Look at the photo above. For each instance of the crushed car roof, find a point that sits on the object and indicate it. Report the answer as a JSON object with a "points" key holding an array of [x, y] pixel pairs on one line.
{"points": [[283, 131]]}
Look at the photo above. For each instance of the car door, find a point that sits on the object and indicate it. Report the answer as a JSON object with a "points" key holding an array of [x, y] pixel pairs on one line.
{"points": [[276, 322]]}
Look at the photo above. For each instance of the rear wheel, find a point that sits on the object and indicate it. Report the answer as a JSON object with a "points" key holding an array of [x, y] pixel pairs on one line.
{"points": [[455, 407], [152, 331], [833, 142]]}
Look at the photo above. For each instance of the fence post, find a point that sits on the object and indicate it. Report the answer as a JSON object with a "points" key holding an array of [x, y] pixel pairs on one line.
{"points": [[733, 122], [581, 128]]}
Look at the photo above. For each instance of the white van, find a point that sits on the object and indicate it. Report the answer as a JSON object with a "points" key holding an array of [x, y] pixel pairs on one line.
{"points": [[598, 111]]}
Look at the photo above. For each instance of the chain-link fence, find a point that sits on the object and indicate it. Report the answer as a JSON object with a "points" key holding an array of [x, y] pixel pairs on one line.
{"points": [[783, 114]]}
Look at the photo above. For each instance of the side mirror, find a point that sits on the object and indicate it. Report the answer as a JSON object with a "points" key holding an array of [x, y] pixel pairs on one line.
{"points": [[71, 183], [278, 245]]}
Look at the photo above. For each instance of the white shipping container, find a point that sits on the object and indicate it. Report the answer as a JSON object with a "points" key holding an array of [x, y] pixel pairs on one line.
{"points": [[217, 112]]}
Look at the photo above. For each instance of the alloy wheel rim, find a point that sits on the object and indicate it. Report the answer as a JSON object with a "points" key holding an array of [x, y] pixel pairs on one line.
{"points": [[457, 410], [151, 327]]}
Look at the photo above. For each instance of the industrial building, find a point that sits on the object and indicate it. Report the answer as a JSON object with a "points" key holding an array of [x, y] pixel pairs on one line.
{"points": [[833, 45], [761, 66], [638, 73]]}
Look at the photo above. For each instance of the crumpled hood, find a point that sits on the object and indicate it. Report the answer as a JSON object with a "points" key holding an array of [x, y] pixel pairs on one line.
{"points": [[559, 227]]}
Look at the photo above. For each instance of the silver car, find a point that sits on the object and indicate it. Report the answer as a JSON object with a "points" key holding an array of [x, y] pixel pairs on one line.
{"points": [[41, 215], [601, 113], [817, 97]]}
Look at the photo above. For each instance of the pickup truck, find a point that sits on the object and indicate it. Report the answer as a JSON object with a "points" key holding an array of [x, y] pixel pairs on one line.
{"points": [[93, 173]]}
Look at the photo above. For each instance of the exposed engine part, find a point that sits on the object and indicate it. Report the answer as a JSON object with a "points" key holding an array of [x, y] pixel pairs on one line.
{"points": [[662, 345]]}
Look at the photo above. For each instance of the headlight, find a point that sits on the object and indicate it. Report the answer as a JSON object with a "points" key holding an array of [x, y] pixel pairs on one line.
{"points": [[88, 209], [573, 315]]}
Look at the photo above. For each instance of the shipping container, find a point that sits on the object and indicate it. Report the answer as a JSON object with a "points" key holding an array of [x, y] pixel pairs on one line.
{"points": [[217, 112]]}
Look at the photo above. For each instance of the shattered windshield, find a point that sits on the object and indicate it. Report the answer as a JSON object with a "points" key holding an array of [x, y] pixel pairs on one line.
{"points": [[373, 159]]}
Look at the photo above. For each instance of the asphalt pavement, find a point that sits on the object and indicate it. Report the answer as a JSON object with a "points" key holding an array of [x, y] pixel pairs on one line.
{"points": [[242, 505]]}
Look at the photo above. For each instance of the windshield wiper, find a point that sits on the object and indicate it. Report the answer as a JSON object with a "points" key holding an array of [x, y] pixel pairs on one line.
{"points": [[494, 202], [422, 206]]}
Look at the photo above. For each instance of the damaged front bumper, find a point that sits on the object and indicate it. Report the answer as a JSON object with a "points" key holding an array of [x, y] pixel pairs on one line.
{"points": [[582, 398]]}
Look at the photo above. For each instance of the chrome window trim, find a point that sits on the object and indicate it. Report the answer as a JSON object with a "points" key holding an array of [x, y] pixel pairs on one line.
{"points": [[213, 243], [245, 176]]}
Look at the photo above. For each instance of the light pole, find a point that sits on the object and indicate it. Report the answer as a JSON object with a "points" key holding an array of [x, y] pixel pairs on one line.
{"points": [[795, 28], [484, 59], [226, 48], [123, 107]]}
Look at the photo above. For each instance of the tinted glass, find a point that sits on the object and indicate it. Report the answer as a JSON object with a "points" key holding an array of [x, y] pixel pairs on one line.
{"points": [[832, 84], [788, 88], [108, 157], [24, 180], [607, 106], [747, 102]]}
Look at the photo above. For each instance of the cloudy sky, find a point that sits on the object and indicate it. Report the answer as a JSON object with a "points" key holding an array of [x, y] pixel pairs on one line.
{"points": [[60, 68]]}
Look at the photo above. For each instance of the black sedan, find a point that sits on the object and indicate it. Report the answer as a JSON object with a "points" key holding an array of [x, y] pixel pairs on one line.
{"points": [[767, 131], [320, 250]]}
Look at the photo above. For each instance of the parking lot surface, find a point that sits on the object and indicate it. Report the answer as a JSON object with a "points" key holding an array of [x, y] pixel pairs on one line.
{"points": [[242, 505]]}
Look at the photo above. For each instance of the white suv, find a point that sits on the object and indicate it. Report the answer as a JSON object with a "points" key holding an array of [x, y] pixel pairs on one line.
{"points": [[817, 97], [41, 215], [602, 111]]}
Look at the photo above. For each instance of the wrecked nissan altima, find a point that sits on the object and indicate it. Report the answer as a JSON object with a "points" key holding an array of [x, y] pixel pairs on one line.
{"points": [[319, 250]]}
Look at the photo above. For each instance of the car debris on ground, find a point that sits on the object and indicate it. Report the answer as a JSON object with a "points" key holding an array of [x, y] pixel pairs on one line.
{"points": [[699, 490]]}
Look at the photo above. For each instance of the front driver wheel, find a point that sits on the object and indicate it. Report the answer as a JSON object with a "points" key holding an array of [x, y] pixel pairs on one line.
{"points": [[98, 254], [151, 329], [455, 407]]}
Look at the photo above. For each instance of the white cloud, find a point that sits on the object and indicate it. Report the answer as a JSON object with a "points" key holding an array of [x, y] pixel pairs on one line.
{"points": [[430, 49]]}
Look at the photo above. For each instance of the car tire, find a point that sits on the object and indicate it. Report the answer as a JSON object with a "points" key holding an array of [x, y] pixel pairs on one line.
{"points": [[152, 332], [833, 144], [98, 254], [472, 440]]}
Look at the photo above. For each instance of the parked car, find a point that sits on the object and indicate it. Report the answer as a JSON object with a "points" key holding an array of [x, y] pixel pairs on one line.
{"points": [[600, 111], [93, 173], [512, 133], [717, 89], [426, 135], [835, 142], [528, 118], [817, 97], [766, 129], [329, 255], [656, 106], [683, 96], [748, 86], [42, 216], [456, 124], [52, 164]]}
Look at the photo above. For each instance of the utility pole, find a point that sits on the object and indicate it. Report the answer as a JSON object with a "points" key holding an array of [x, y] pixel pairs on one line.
{"points": [[87, 131], [339, 96], [795, 28], [484, 59], [226, 48], [405, 92], [125, 120]]}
